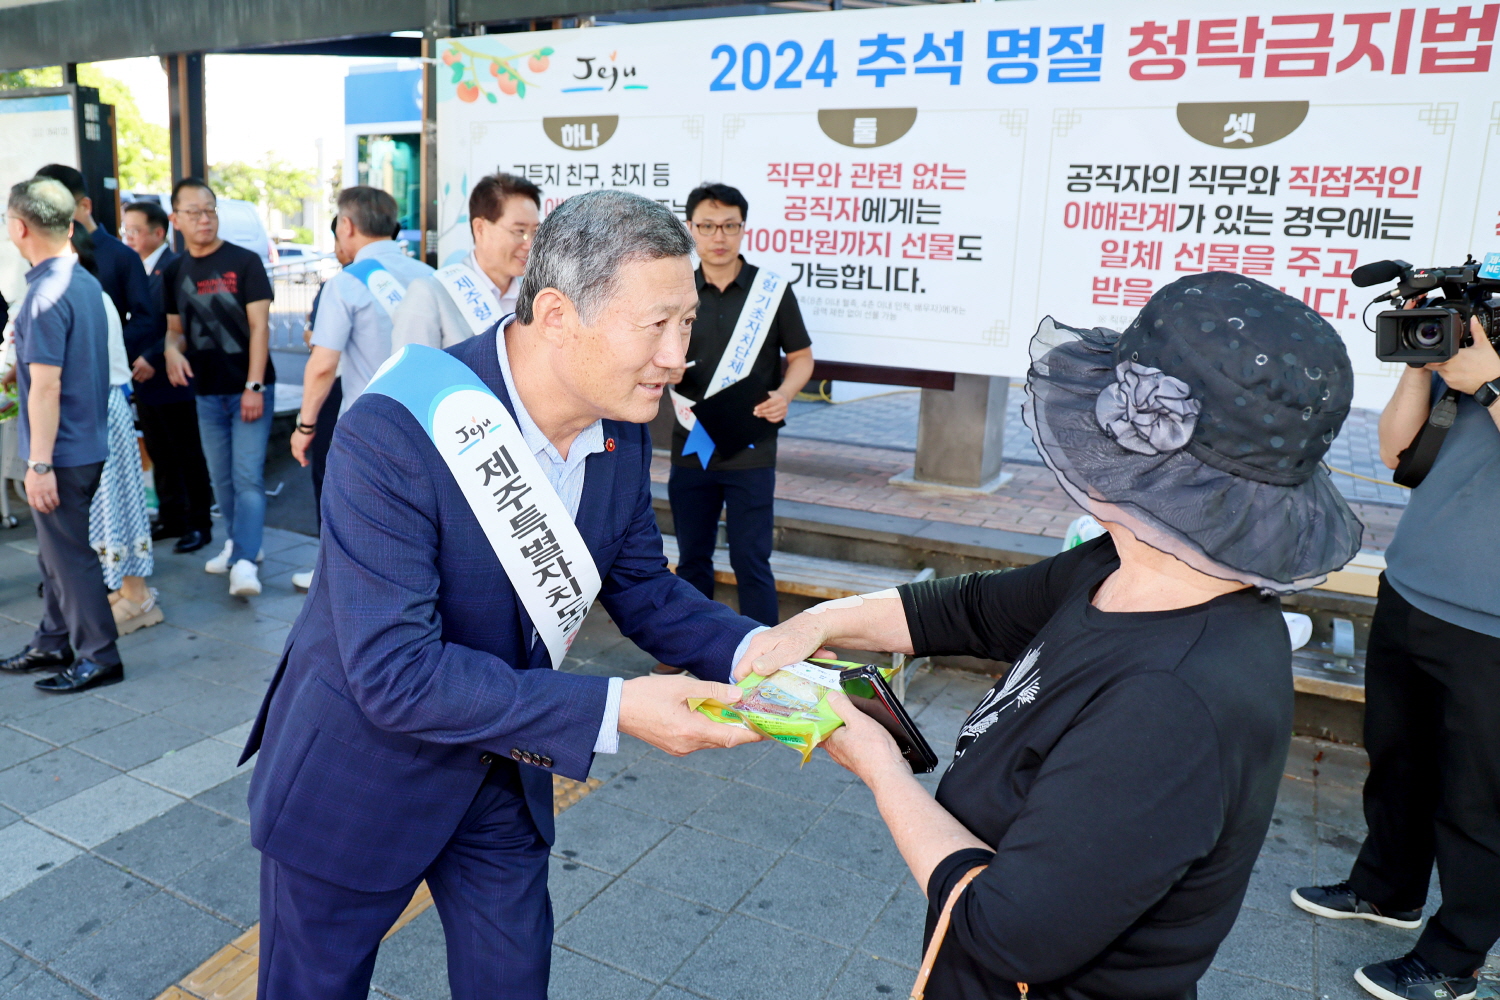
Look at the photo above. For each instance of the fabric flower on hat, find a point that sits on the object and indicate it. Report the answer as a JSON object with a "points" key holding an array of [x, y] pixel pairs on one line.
{"points": [[1146, 410]]}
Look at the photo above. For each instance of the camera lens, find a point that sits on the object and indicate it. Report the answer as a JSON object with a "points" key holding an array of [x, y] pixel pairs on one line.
{"points": [[1426, 334]]}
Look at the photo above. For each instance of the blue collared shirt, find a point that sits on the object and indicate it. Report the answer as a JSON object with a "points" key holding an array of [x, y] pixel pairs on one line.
{"points": [[566, 476]]}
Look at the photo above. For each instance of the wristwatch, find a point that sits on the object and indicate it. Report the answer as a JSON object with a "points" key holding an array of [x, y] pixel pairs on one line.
{"points": [[255, 386], [1486, 394], [40, 468]]}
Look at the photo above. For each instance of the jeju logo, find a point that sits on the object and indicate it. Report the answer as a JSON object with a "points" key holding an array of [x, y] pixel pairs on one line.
{"points": [[594, 73]]}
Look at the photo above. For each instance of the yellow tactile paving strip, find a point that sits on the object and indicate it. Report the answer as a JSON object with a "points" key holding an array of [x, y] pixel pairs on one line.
{"points": [[231, 973]]}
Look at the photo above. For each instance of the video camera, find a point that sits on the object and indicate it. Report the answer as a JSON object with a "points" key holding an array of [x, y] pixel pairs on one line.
{"points": [[1438, 330]]}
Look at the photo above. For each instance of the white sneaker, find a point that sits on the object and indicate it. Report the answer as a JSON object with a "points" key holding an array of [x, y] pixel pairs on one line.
{"points": [[244, 581], [302, 581], [219, 564]]}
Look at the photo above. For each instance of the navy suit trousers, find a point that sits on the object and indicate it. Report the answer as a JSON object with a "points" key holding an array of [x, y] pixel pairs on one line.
{"points": [[318, 940], [748, 497]]}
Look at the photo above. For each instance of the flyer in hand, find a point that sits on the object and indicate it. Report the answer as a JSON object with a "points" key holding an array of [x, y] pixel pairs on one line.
{"points": [[790, 706]]}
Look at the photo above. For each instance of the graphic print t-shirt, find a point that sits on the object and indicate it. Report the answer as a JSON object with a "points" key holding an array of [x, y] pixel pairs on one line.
{"points": [[210, 294], [1124, 770]]}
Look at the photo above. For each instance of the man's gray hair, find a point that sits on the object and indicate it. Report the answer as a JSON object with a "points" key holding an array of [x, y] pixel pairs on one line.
{"points": [[44, 203], [373, 211], [582, 245]]}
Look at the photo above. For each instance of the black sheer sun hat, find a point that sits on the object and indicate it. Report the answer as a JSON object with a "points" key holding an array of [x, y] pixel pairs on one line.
{"points": [[1201, 428]]}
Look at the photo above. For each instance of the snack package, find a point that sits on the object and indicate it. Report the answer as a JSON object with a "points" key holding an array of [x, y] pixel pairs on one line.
{"points": [[790, 706]]}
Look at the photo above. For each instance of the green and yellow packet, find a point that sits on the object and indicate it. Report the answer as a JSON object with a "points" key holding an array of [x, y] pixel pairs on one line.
{"points": [[790, 706]]}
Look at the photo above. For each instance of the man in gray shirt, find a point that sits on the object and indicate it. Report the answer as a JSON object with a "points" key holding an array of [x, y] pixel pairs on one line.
{"points": [[351, 334], [1432, 698], [62, 373]]}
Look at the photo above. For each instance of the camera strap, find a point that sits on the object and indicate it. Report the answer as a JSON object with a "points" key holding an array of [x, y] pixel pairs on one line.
{"points": [[1415, 461]]}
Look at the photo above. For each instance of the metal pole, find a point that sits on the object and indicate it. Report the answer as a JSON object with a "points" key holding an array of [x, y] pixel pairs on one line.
{"points": [[442, 15], [185, 112]]}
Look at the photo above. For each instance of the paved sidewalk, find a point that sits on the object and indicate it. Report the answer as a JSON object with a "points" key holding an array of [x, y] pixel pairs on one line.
{"points": [[125, 860]]}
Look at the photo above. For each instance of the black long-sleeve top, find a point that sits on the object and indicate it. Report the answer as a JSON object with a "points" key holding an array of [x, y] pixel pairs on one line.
{"points": [[1125, 770]]}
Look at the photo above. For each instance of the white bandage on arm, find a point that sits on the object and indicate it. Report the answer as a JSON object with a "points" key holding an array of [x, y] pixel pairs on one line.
{"points": [[852, 601]]}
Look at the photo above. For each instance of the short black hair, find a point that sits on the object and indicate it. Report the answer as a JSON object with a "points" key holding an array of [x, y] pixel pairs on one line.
{"points": [[373, 211], [156, 218], [68, 177], [721, 193], [192, 182], [487, 200]]}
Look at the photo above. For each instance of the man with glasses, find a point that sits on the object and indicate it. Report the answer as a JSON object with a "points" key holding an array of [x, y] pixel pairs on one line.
{"points": [[218, 304], [469, 296], [708, 476]]}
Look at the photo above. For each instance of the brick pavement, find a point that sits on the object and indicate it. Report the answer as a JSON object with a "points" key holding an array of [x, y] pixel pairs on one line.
{"points": [[890, 421], [857, 477], [125, 861]]}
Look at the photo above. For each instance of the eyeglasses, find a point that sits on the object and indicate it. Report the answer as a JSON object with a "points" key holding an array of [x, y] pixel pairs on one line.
{"points": [[194, 214], [728, 228], [523, 235]]}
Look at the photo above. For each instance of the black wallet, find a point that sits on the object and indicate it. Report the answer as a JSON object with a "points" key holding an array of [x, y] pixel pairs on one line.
{"points": [[872, 695]]}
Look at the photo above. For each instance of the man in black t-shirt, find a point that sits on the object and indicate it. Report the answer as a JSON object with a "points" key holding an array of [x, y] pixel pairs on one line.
{"points": [[744, 480], [218, 304]]}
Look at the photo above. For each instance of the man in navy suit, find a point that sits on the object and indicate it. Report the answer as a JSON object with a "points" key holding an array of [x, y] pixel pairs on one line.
{"points": [[119, 268], [414, 726], [168, 413]]}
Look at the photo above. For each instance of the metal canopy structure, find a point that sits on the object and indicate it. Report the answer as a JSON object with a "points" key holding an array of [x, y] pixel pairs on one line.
{"points": [[56, 32]]}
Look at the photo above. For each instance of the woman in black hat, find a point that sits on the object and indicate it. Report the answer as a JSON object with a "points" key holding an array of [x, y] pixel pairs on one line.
{"points": [[1112, 790]]}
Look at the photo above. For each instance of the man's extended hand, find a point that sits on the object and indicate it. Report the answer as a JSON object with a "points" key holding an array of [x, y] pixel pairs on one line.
{"points": [[1472, 366], [252, 405], [141, 370], [792, 641], [655, 709]]}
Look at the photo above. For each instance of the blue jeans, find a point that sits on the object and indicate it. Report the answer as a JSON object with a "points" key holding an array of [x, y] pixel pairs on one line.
{"points": [[236, 455], [749, 496]]}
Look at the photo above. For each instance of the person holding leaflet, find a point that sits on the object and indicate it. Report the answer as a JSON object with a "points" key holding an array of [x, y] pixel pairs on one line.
{"points": [[477, 502]]}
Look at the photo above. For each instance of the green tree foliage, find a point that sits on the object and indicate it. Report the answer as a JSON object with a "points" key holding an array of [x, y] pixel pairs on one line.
{"points": [[277, 184], [145, 149]]}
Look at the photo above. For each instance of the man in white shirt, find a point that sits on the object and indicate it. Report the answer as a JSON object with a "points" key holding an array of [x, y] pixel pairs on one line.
{"points": [[467, 298]]}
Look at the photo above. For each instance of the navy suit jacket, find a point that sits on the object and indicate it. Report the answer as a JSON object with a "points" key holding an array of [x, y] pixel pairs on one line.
{"points": [[412, 664], [124, 281], [151, 344]]}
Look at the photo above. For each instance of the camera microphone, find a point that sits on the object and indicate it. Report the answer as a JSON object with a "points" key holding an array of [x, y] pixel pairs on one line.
{"points": [[1378, 272]]}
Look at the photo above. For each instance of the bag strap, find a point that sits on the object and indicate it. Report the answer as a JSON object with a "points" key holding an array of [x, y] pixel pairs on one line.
{"points": [[919, 988], [1416, 459]]}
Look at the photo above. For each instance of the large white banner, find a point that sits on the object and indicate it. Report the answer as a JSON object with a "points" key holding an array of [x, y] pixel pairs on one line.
{"points": [[933, 180]]}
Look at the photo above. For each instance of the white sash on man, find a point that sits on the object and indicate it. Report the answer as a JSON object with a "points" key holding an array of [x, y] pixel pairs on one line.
{"points": [[477, 306], [382, 284], [525, 521], [749, 336]]}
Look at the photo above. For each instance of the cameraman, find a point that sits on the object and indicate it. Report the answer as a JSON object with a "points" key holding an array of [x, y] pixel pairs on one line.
{"points": [[1432, 698]]}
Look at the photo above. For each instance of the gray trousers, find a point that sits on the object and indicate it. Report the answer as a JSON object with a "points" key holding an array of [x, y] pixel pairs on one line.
{"points": [[76, 608]]}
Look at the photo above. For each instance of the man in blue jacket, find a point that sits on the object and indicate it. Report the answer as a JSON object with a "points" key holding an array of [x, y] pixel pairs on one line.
{"points": [[476, 502]]}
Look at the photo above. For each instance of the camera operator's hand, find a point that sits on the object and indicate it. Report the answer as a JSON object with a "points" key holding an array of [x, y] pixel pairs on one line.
{"points": [[1472, 366]]}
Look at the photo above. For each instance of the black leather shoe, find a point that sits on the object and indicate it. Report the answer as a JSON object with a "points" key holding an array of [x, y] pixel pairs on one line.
{"points": [[161, 532], [80, 677], [192, 541], [30, 659]]}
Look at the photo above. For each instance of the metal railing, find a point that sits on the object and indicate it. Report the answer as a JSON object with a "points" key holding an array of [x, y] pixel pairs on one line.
{"points": [[294, 287]]}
